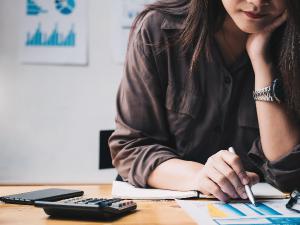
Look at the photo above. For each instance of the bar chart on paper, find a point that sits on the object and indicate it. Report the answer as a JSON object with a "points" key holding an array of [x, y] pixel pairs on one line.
{"points": [[240, 209], [213, 212]]}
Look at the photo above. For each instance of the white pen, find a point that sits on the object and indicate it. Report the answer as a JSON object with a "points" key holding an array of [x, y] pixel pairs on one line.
{"points": [[247, 188]]}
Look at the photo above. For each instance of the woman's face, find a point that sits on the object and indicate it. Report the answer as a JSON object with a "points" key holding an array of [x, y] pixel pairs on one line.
{"points": [[251, 16]]}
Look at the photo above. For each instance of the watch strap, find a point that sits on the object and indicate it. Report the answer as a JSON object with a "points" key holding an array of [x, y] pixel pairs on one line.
{"points": [[264, 94]]}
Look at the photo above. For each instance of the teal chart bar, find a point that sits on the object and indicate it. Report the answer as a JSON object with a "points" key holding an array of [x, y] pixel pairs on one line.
{"points": [[55, 39]]}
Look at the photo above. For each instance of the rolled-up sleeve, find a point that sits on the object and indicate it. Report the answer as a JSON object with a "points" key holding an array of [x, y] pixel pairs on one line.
{"points": [[283, 173], [141, 139]]}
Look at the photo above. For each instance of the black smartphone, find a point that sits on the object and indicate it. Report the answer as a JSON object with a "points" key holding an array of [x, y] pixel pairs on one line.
{"points": [[50, 194]]}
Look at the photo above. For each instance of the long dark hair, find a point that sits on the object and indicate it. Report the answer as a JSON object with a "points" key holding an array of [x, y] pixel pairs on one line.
{"points": [[203, 18]]}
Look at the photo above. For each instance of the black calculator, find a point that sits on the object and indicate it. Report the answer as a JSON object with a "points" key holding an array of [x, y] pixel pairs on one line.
{"points": [[88, 208]]}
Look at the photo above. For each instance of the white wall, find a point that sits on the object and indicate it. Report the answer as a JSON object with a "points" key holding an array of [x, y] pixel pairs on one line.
{"points": [[50, 116]]}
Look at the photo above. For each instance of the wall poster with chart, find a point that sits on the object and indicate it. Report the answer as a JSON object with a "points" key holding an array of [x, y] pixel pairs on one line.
{"points": [[54, 32], [123, 14]]}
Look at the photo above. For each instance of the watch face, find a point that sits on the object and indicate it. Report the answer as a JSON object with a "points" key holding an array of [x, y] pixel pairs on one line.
{"points": [[278, 90]]}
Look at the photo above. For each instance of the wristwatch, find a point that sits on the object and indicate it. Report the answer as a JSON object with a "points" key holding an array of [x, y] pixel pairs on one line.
{"points": [[272, 93]]}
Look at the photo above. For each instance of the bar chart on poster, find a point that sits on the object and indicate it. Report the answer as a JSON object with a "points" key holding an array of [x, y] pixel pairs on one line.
{"points": [[53, 109], [56, 38], [54, 32]]}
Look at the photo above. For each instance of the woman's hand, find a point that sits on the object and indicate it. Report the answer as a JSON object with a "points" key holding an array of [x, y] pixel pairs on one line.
{"points": [[257, 43], [224, 177]]}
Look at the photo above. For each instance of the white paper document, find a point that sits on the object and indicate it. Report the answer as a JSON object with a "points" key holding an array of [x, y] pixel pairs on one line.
{"points": [[128, 191], [218, 213], [266, 191]]}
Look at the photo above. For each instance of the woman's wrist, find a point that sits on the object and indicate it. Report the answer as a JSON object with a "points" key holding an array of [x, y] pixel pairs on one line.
{"points": [[258, 60], [263, 73], [175, 174], [263, 81], [193, 181]]}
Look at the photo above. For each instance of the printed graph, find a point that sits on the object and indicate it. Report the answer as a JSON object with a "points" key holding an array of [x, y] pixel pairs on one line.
{"points": [[55, 39], [246, 213], [240, 209], [269, 212], [34, 9], [259, 221]]}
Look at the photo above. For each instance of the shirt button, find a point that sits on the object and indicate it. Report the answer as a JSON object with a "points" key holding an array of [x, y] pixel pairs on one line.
{"points": [[217, 129], [227, 80]]}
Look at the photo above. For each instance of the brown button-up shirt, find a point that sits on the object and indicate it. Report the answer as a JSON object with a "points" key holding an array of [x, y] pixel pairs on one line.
{"points": [[164, 113]]}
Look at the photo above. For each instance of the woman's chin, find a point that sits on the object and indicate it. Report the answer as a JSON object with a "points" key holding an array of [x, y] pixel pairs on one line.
{"points": [[250, 29]]}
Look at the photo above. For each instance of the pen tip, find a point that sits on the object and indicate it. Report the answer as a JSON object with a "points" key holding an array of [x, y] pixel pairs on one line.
{"points": [[253, 203]]}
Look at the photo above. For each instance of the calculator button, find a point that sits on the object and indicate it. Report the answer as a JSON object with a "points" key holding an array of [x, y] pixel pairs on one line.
{"points": [[97, 202], [102, 204]]}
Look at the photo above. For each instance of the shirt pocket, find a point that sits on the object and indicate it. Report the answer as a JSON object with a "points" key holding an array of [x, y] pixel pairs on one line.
{"points": [[183, 102], [183, 109]]}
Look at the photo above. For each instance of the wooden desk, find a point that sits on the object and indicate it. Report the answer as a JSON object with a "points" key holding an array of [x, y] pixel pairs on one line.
{"points": [[148, 212]]}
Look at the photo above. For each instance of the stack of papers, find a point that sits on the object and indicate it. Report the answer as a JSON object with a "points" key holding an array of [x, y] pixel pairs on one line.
{"points": [[128, 191]]}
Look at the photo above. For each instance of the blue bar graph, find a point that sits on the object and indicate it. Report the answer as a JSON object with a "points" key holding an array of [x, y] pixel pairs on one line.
{"points": [[33, 8], [269, 220], [262, 209], [55, 39], [232, 209]]}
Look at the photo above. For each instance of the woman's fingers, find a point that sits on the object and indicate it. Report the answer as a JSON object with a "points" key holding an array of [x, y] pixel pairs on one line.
{"points": [[235, 163], [214, 189], [224, 176], [222, 181], [237, 188], [277, 22], [254, 178]]}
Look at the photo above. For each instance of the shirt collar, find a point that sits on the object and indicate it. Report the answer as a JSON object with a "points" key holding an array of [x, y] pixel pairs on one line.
{"points": [[172, 24]]}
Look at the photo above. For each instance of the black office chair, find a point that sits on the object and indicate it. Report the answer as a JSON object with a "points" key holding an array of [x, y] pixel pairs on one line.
{"points": [[105, 161]]}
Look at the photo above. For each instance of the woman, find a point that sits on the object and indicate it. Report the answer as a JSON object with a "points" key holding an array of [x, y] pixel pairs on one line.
{"points": [[187, 96]]}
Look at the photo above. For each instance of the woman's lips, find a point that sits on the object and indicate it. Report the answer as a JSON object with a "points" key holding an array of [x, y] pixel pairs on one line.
{"points": [[253, 15]]}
